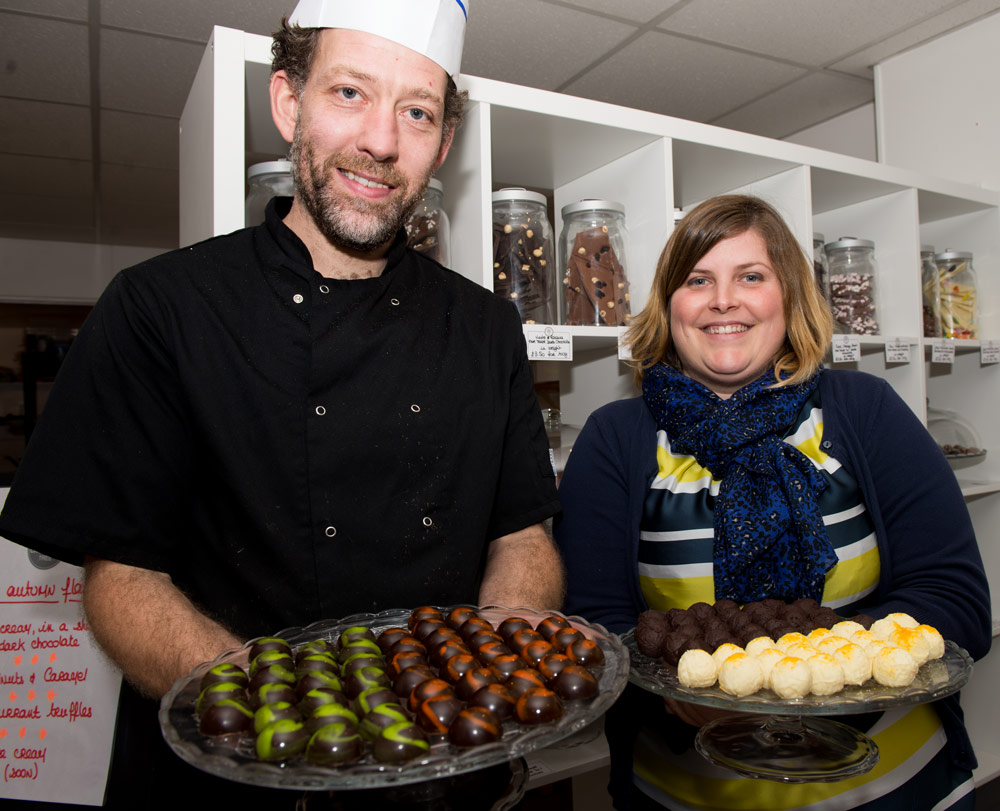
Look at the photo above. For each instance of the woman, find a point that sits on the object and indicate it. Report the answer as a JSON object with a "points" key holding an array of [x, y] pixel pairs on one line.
{"points": [[747, 471]]}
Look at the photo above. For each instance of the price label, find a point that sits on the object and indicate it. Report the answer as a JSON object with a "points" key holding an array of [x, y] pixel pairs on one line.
{"points": [[989, 352], [897, 350], [942, 351], [624, 348], [846, 348], [549, 343]]}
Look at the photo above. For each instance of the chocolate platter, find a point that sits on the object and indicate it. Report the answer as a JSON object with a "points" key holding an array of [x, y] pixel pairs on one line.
{"points": [[232, 757]]}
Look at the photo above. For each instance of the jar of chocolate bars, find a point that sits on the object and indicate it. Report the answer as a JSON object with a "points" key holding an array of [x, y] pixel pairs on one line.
{"points": [[524, 268], [853, 286], [428, 229], [593, 251], [930, 293], [959, 304], [821, 265]]}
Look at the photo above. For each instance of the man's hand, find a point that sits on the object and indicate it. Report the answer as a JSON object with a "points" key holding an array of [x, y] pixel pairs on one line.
{"points": [[524, 569]]}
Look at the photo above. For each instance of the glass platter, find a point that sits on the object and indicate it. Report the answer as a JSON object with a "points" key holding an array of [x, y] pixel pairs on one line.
{"points": [[935, 679], [233, 758]]}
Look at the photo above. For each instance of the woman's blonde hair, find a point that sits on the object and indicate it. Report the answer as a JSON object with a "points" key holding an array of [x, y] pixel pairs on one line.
{"points": [[808, 323]]}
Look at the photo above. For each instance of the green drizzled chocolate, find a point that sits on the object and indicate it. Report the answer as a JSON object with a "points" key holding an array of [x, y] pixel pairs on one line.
{"points": [[226, 671], [216, 692], [334, 744], [400, 742], [278, 711], [282, 740], [226, 717], [330, 714], [382, 717]]}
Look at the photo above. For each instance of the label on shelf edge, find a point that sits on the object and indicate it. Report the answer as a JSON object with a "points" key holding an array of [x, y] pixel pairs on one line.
{"points": [[548, 342], [942, 351], [897, 350], [624, 348], [989, 352], [846, 348]]}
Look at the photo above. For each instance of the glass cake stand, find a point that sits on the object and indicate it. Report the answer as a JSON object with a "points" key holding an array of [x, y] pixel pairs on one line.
{"points": [[789, 739], [233, 757]]}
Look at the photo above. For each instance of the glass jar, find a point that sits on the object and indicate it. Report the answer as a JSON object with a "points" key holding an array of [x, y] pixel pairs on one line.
{"points": [[930, 286], [428, 229], [267, 180], [561, 438], [954, 434], [524, 268], [959, 305], [821, 266], [853, 286], [593, 249]]}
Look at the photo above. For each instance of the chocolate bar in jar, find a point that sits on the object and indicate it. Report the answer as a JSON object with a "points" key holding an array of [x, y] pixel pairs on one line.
{"points": [[595, 281]]}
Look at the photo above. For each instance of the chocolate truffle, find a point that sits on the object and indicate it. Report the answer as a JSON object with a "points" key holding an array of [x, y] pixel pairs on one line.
{"points": [[548, 626], [701, 611], [536, 650], [269, 713], [497, 698], [459, 615], [363, 679], [574, 682], [650, 638], [354, 634], [550, 665], [272, 692], [435, 714], [406, 681], [524, 679], [406, 643], [374, 697], [424, 612], [586, 652], [492, 650], [426, 627], [400, 742], [274, 674], [474, 726], [315, 661], [458, 665], [445, 651], [509, 626], [442, 635], [562, 638], [317, 698], [282, 740], [390, 636], [382, 717], [334, 744], [318, 680], [473, 680], [521, 638], [482, 636], [472, 625], [268, 643], [538, 706], [424, 690], [226, 671], [216, 692], [271, 657], [505, 664], [316, 647], [331, 714], [227, 716], [674, 645], [404, 660]]}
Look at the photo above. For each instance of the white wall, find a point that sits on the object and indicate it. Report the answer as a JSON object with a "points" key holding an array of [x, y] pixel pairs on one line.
{"points": [[851, 133], [938, 106], [61, 272]]}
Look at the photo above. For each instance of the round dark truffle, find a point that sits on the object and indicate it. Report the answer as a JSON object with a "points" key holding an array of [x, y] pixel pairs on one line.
{"points": [[471, 625], [317, 698], [473, 680], [355, 633], [675, 616], [719, 635], [536, 650], [404, 660], [458, 665], [424, 690], [509, 626], [586, 652], [550, 665], [807, 605], [271, 657], [356, 646], [442, 635], [474, 726], [674, 645], [492, 650], [315, 661], [407, 680], [562, 638], [524, 679], [382, 717], [426, 627], [227, 716], [267, 643], [650, 637], [574, 682], [334, 744], [390, 636], [757, 612], [374, 697], [538, 706], [701, 611], [442, 653], [775, 605], [725, 607], [497, 698], [364, 679], [698, 643], [275, 674], [521, 638], [318, 679], [826, 617], [751, 631], [864, 620], [406, 643], [278, 711], [271, 692], [216, 692], [282, 740], [359, 660], [331, 714], [315, 647], [481, 637], [400, 742], [548, 626], [459, 615], [505, 664], [435, 714], [226, 671], [424, 612]]}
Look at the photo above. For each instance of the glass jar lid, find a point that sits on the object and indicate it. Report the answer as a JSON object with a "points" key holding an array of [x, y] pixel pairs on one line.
{"points": [[435, 184], [592, 205], [269, 168], [850, 242], [818, 238], [926, 249], [949, 255], [519, 195]]}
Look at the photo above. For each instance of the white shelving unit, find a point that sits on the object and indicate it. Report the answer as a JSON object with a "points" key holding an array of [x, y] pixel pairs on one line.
{"points": [[576, 148]]}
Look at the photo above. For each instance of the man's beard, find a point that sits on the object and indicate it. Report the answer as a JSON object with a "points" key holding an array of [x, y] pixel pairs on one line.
{"points": [[351, 223]]}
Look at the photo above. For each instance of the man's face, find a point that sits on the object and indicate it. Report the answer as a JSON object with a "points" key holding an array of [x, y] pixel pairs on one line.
{"points": [[368, 136]]}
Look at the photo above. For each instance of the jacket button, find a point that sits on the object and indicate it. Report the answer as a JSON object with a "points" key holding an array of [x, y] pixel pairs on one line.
{"points": [[330, 531]]}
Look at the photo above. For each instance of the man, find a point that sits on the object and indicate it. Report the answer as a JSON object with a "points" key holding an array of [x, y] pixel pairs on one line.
{"points": [[305, 419]]}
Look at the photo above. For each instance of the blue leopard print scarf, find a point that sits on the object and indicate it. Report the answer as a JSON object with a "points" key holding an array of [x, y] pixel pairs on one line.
{"points": [[770, 540]]}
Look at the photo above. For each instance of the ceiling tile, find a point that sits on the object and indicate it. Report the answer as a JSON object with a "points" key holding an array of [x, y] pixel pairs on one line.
{"points": [[640, 11], [68, 9], [810, 32], [62, 178], [142, 140], [861, 62], [514, 41], [44, 59], [810, 100], [675, 76], [45, 129], [145, 74], [193, 19]]}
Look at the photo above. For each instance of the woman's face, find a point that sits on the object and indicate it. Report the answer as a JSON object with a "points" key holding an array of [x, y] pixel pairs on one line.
{"points": [[727, 321]]}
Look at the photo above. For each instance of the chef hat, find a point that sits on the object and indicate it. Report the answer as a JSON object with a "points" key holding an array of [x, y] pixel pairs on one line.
{"points": [[434, 28]]}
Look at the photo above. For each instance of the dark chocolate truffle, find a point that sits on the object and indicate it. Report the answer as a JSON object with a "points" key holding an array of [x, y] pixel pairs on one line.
{"points": [[382, 717], [505, 664], [491, 650], [548, 626], [226, 717], [271, 657], [458, 665], [318, 680], [424, 612], [282, 740], [404, 660], [458, 615], [331, 714], [574, 682], [354, 634], [538, 706], [334, 744], [474, 679], [550, 665], [435, 714], [521, 638], [474, 726], [390, 636], [509, 626], [586, 652], [562, 638], [424, 690], [216, 692], [400, 742], [524, 679], [497, 698], [472, 625], [268, 643], [226, 671], [271, 692], [374, 697], [363, 679], [278, 711], [407, 680], [317, 698]]}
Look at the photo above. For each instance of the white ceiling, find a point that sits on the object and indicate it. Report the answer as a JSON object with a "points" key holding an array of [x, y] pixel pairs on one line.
{"points": [[91, 91]]}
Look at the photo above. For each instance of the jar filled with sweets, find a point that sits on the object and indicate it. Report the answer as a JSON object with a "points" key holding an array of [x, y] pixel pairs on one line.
{"points": [[821, 265], [959, 304], [593, 251], [428, 229], [267, 180], [930, 295], [853, 286], [524, 269]]}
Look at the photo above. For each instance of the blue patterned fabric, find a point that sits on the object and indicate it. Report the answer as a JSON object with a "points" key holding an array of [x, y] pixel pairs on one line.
{"points": [[770, 540]]}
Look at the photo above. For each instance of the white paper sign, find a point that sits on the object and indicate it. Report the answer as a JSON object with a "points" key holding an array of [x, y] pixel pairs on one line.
{"points": [[549, 343], [942, 351], [624, 348], [58, 693], [897, 350], [846, 348], [989, 352]]}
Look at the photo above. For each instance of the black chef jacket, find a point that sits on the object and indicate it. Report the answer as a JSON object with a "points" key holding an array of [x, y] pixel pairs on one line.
{"points": [[286, 446]]}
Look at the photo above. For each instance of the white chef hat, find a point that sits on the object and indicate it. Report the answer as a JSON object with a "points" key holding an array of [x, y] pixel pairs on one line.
{"points": [[434, 28]]}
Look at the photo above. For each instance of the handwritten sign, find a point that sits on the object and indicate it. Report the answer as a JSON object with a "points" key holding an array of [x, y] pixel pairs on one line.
{"points": [[942, 351], [897, 350], [989, 352], [549, 343], [624, 347], [846, 348], [58, 693]]}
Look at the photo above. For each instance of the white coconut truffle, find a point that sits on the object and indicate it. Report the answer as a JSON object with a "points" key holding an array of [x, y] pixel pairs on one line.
{"points": [[817, 635], [847, 629], [862, 638], [855, 662], [758, 644], [934, 640], [903, 620], [741, 675], [831, 643], [767, 659], [791, 638], [876, 645], [912, 641], [894, 667], [724, 651], [827, 674], [791, 678], [697, 668], [800, 650], [882, 628]]}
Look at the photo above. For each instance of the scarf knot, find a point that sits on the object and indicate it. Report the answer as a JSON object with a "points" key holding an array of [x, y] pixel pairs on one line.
{"points": [[770, 540]]}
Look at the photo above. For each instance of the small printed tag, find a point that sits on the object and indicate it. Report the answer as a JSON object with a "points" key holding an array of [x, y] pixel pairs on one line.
{"points": [[549, 343], [989, 352], [846, 348], [897, 350], [942, 351], [624, 348]]}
